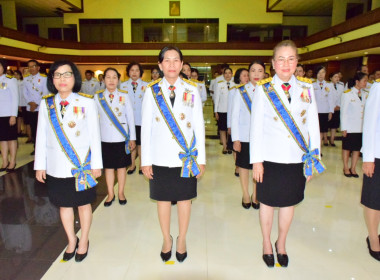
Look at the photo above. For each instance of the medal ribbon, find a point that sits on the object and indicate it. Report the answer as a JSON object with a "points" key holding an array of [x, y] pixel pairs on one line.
{"points": [[189, 156], [246, 98], [82, 172], [311, 161], [114, 120]]}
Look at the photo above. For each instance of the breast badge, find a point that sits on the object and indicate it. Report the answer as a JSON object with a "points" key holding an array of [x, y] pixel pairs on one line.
{"points": [[77, 133], [304, 121], [303, 113], [71, 124], [275, 118], [189, 125], [157, 119], [182, 116]]}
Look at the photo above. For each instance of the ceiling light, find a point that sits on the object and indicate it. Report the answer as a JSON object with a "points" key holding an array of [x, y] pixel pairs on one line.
{"points": [[365, 52]]}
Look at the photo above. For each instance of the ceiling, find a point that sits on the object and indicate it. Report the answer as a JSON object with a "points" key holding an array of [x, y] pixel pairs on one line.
{"points": [[41, 8], [303, 7]]}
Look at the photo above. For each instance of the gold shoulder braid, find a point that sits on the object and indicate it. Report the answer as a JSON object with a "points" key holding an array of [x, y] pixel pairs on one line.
{"points": [[86, 95], [48, 95], [43, 75], [121, 90], [348, 90], [154, 82], [264, 81], [190, 82], [305, 80], [99, 91]]}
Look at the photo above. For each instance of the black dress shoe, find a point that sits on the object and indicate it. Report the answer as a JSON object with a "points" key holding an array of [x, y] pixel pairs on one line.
{"points": [[332, 145], [10, 170], [354, 175], [348, 175], [180, 257], [5, 168], [81, 257], [237, 173], [69, 256], [140, 172], [131, 171], [282, 259], [122, 202], [256, 205], [374, 254], [229, 151], [269, 260], [224, 152], [109, 203], [166, 256], [32, 153], [325, 144], [245, 205]]}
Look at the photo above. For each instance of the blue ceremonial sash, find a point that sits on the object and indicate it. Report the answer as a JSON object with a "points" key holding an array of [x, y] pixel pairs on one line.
{"points": [[189, 156], [310, 159], [246, 98], [83, 177], [114, 120]]}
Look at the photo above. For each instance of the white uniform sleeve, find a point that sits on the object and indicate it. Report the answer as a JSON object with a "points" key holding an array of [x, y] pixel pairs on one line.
{"points": [[256, 142], [45, 90], [343, 111], [146, 128], [216, 98], [13, 86], [371, 117], [93, 127], [235, 114], [313, 124], [330, 99], [199, 130], [41, 139], [230, 101], [203, 93], [130, 119]]}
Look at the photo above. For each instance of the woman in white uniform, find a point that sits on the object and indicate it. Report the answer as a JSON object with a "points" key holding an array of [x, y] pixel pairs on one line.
{"points": [[284, 146], [173, 146], [336, 90], [117, 130], [240, 125], [351, 116]]}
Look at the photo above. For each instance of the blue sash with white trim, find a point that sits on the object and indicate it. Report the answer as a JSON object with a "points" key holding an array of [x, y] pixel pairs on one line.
{"points": [[246, 98], [189, 156], [311, 160], [82, 172], [114, 120]]}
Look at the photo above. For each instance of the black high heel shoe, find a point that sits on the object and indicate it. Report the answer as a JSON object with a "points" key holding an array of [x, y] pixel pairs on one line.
{"points": [[354, 175], [131, 171], [81, 257], [5, 168], [180, 257], [269, 259], [374, 254], [245, 205], [109, 203], [122, 202], [69, 256], [282, 259], [166, 256], [10, 170]]}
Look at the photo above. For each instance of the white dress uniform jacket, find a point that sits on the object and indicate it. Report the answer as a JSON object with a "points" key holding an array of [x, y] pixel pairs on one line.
{"points": [[221, 96], [122, 109], [216, 81], [158, 146], [135, 97], [241, 117], [83, 136], [34, 88], [21, 98], [336, 93], [201, 89], [90, 86], [323, 97], [102, 85], [371, 125], [269, 138], [8, 96], [352, 110]]}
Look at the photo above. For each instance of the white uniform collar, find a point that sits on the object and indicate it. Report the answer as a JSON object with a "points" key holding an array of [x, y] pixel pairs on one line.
{"points": [[292, 81], [68, 99]]}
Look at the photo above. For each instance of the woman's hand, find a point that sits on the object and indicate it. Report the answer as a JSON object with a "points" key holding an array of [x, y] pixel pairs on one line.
{"points": [[12, 120], [330, 116], [41, 175], [344, 133], [132, 145], [96, 172], [258, 172], [202, 167], [147, 171], [237, 146], [309, 178], [217, 116], [368, 168]]}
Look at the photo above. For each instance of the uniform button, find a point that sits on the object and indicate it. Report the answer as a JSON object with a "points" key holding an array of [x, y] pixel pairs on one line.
{"points": [[288, 136]]}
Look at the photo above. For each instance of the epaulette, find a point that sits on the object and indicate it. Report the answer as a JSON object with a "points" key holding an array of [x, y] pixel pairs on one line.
{"points": [[48, 95], [232, 87], [264, 81], [43, 75], [27, 75], [122, 90], [100, 91], [154, 82], [9, 76], [239, 86], [86, 95], [221, 81], [305, 80], [371, 82], [190, 82], [377, 81], [194, 80], [347, 90]]}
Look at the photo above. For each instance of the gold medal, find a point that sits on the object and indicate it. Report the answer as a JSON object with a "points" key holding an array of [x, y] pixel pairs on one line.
{"points": [[51, 106], [157, 119], [304, 121], [189, 125], [82, 182], [182, 116], [275, 118], [71, 124], [140, 96], [77, 133], [116, 109], [303, 113], [119, 114]]}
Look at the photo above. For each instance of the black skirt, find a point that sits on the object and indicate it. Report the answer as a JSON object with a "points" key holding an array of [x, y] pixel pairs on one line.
{"points": [[168, 185], [230, 144], [138, 135], [323, 122], [62, 192], [114, 155], [371, 189], [283, 184], [242, 157], [335, 120], [352, 142], [222, 122], [7, 132]]}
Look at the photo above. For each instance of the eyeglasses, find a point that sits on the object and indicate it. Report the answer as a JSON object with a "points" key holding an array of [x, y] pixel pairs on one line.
{"points": [[57, 75], [33, 66], [283, 60]]}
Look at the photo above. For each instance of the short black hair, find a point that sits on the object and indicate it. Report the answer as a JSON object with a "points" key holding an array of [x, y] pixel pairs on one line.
{"points": [[161, 55], [224, 66], [74, 68], [130, 65], [183, 75], [237, 75], [19, 72], [158, 69], [300, 65], [195, 70], [228, 68], [187, 63], [358, 76], [111, 69], [333, 74], [256, 61], [88, 72], [319, 68], [33, 60], [4, 63]]}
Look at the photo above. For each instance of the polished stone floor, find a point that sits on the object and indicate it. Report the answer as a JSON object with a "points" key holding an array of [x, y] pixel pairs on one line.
{"points": [[326, 240]]}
